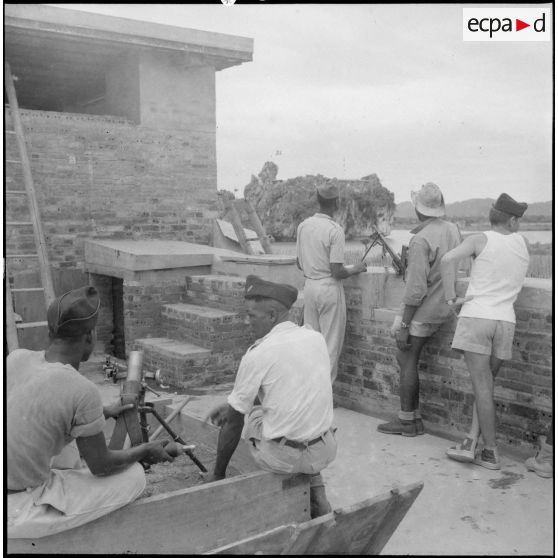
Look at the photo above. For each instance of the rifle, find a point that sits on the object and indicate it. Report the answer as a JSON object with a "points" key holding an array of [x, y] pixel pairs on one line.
{"points": [[399, 262]]}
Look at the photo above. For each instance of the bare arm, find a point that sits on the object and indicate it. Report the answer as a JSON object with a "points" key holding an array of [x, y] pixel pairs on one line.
{"points": [[340, 271], [103, 461], [472, 246], [231, 422]]}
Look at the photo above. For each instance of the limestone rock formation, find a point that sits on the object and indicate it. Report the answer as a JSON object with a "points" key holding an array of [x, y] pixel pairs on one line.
{"points": [[283, 204]]}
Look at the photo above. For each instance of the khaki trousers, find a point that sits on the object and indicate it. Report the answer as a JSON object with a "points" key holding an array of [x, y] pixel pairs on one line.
{"points": [[325, 311], [70, 497]]}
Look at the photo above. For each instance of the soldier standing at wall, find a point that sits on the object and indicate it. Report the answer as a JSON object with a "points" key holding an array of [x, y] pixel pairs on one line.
{"points": [[424, 308], [320, 251], [486, 325]]}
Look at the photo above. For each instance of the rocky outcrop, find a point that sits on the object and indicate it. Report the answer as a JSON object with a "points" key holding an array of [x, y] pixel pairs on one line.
{"points": [[283, 204]]}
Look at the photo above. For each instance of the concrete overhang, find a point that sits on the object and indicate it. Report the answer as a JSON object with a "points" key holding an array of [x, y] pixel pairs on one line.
{"points": [[53, 49]]}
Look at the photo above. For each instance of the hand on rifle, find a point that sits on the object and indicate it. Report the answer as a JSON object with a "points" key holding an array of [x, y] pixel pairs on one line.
{"points": [[113, 410]]}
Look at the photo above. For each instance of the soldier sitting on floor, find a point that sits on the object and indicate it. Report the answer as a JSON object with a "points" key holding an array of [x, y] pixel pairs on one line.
{"points": [[50, 406]]}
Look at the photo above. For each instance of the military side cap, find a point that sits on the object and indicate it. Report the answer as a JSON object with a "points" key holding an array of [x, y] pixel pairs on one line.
{"points": [[506, 204], [328, 191], [74, 313], [256, 286]]}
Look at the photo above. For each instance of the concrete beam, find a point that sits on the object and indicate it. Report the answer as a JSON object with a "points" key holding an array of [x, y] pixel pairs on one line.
{"points": [[228, 50]]}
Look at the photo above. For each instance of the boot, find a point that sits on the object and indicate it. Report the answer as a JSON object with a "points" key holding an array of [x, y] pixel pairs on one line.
{"points": [[398, 426], [542, 463]]}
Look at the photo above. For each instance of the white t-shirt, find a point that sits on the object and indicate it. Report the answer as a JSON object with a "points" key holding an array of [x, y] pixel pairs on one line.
{"points": [[47, 406], [497, 276], [319, 242], [289, 370]]}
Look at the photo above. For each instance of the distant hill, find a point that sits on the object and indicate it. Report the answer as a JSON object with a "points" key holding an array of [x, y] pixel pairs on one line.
{"points": [[477, 207]]}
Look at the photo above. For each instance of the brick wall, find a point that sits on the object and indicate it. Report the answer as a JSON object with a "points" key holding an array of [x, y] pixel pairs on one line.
{"points": [[368, 378], [105, 177]]}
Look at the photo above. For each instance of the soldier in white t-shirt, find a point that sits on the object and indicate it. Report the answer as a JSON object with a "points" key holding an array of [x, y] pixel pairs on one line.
{"points": [[486, 324], [283, 389], [320, 251]]}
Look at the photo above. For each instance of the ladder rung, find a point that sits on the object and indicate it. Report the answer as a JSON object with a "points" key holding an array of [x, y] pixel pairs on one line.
{"points": [[22, 255], [9, 131], [31, 324], [27, 289], [15, 192], [19, 223], [13, 161]]}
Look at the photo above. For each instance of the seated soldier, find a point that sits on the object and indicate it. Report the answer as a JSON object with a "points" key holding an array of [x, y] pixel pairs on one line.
{"points": [[288, 370], [49, 404]]}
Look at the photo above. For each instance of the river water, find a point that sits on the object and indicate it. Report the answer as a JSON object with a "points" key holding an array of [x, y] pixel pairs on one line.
{"points": [[400, 236]]}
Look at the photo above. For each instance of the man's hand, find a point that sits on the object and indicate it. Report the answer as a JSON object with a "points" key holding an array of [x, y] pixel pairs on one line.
{"points": [[360, 267], [457, 302], [396, 325], [114, 410], [156, 452], [402, 339], [218, 415]]}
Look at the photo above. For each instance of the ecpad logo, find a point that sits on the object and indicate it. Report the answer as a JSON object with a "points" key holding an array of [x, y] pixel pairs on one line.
{"points": [[506, 24]]}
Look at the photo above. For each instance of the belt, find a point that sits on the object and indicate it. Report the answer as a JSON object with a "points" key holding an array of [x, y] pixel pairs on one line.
{"points": [[298, 445]]}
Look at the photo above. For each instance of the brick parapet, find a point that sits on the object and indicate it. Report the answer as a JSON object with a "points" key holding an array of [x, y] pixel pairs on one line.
{"points": [[368, 378]]}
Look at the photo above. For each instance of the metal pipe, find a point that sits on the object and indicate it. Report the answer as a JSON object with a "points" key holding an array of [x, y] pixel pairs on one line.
{"points": [[135, 362], [170, 417]]}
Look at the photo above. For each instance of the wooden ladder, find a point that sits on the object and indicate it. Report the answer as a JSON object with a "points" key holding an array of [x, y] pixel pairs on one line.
{"points": [[232, 207], [13, 320]]}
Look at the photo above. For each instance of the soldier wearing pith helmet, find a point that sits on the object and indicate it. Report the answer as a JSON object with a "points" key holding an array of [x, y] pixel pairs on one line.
{"points": [[320, 250], [423, 308]]}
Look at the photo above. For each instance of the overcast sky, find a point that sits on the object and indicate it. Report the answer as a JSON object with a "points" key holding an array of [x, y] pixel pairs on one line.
{"points": [[350, 90]]}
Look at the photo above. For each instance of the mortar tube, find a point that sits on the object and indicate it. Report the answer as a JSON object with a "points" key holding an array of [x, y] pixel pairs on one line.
{"points": [[135, 362]]}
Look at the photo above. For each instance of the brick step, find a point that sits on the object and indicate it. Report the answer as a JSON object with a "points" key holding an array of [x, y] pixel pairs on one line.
{"points": [[185, 364], [212, 328], [225, 292]]}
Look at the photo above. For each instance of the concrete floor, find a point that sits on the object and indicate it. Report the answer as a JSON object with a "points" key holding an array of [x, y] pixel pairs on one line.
{"points": [[462, 509]]}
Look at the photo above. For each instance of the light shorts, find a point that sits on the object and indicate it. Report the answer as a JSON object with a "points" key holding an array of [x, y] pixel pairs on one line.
{"points": [[483, 336], [423, 329]]}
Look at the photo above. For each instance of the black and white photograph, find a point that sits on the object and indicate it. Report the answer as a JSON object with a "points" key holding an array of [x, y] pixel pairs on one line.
{"points": [[279, 278]]}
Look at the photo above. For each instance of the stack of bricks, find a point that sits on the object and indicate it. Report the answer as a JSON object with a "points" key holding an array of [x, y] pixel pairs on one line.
{"points": [[200, 339], [143, 305]]}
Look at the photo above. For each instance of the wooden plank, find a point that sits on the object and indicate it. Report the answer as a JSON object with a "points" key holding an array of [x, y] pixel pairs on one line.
{"points": [[11, 330], [257, 224], [40, 242], [238, 228], [195, 430], [362, 528], [188, 521], [26, 325]]}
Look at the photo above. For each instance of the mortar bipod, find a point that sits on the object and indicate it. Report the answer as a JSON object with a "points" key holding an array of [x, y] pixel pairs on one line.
{"points": [[133, 422]]}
